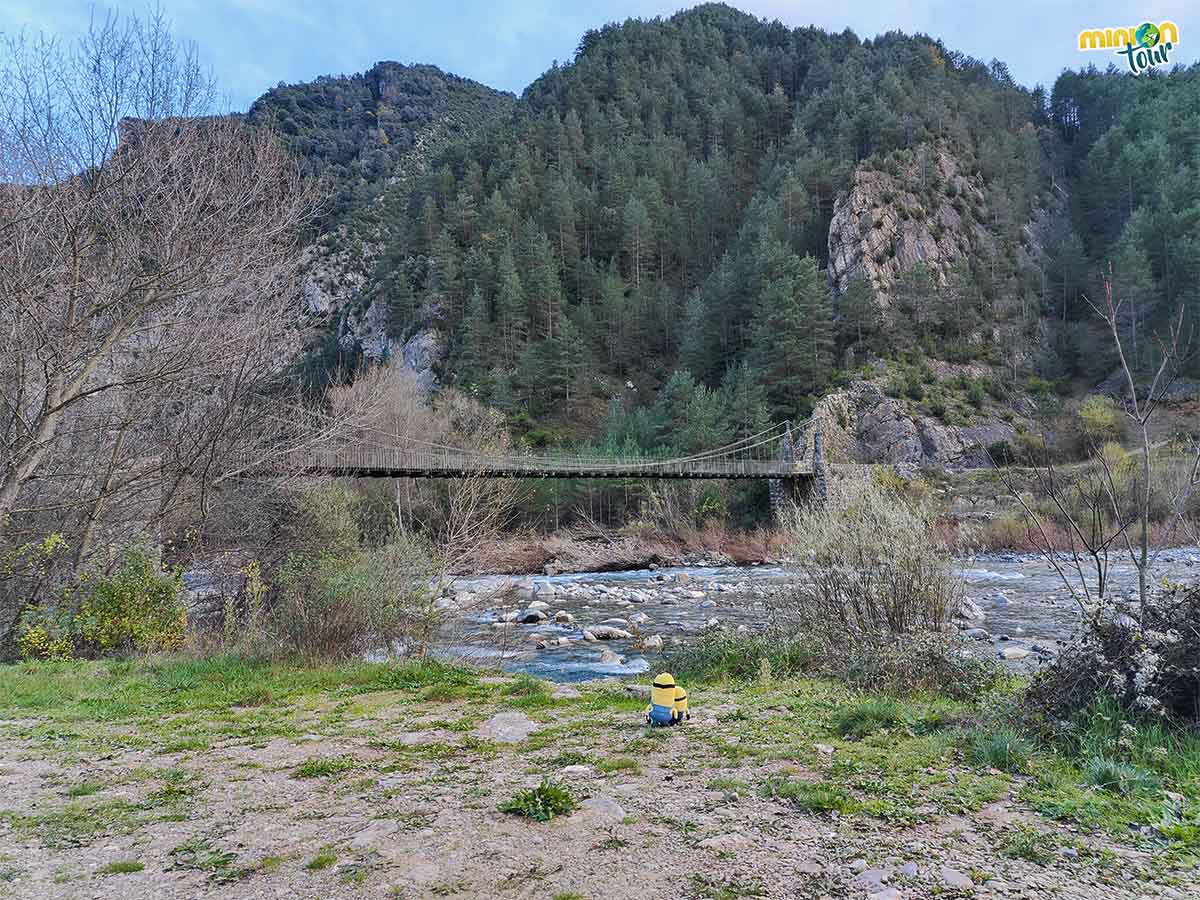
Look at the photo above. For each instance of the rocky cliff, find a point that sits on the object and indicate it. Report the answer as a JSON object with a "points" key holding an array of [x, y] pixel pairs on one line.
{"points": [[863, 424], [912, 207]]}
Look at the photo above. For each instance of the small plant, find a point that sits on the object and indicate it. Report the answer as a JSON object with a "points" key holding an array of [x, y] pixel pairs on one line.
{"points": [[542, 803], [324, 767], [1117, 777], [121, 867], [204, 856], [1002, 749], [618, 764], [1026, 842], [322, 860], [811, 796]]}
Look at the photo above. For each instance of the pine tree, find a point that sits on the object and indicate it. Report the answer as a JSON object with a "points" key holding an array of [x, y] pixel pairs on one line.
{"points": [[512, 315], [745, 402]]}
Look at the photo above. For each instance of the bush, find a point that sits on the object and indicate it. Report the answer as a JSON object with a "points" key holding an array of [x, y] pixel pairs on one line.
{"points": [[868, 717], [925, 662], [333, 607], [1147, 660], [136, 609], [869, 567], [1100, 421]]}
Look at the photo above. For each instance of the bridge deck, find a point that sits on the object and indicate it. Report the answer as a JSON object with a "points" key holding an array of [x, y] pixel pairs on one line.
{"points": [[381, 463]]}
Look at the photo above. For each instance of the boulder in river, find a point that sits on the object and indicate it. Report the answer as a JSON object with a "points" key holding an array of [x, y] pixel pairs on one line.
{"points": [[654, 642], [532, 617], [605, 633], [608, 658]]}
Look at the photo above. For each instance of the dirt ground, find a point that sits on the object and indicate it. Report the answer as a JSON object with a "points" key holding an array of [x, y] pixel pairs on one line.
{"points": [[385, 795]]}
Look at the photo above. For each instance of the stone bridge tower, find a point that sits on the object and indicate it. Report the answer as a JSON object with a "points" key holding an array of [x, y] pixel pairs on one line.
{"points": [[810, 488]]}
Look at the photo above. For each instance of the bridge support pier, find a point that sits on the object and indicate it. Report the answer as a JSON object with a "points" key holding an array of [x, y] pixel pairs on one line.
{"points": [[790, 492]]}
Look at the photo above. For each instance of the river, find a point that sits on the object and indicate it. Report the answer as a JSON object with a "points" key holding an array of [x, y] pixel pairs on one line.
{"points": [[1023, 607]]}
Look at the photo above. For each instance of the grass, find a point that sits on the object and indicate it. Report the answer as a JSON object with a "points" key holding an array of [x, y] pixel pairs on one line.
{"points": [[202, 855], [867, 717], [1117, 777], [1004, 749], [1026, 842], [121, 867], [810, 796], [322, 860], [324, 767], [619, 764], [542, 803], [722, 655]]}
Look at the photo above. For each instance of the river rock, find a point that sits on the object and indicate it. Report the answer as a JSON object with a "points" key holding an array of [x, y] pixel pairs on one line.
{"points": [[537, 604], [608, 658], [727, 843], [1013, 653], [639, 619], [977, 634], [683, 577], [601, 811], [605, 633], [654, 642], [532, 617], [615, 623], [507, 728], [542, 589], [562, 617], [956, 879]]}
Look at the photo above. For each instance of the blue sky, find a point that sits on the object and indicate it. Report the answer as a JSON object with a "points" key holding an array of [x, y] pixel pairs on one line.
{"points": [[254, 44]]}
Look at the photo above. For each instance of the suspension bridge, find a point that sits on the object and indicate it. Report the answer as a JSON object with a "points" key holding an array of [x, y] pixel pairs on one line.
{"points": [[790, 457]]}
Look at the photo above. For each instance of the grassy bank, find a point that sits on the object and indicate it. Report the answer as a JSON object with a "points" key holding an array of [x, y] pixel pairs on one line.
{"points": [[227, 776]]}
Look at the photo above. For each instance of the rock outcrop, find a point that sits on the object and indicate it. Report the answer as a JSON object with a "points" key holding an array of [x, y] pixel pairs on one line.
{"points": [[861, 424], [917, 208]]}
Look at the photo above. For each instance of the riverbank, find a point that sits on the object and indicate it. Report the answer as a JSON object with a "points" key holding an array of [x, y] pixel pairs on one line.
{"points": [[220, 777]]}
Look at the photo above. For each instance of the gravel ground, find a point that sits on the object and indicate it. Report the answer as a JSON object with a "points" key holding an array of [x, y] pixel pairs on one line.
{"points": [[404, 804]]}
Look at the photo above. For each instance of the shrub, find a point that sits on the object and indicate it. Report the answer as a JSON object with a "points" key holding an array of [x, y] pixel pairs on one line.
{"points": [[135, 609], [923, 662], [1100, 421], [1146, 659], [542, 803], [334, 606], [869, 566]]}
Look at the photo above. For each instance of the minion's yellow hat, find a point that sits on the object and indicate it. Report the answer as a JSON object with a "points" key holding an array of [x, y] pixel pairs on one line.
{"points": [[666, 679]]}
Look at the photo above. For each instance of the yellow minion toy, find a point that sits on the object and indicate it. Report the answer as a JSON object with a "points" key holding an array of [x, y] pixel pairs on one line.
{"points": [[681, 710], [661, 710]]}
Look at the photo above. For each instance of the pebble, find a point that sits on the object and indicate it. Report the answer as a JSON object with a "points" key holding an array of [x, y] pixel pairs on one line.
{"points": [[956, 879], [507, 728], [1013, 653]]}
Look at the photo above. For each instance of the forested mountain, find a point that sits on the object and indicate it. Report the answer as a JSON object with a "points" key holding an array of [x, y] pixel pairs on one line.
{"points": [[640, 249], [356, 130]]}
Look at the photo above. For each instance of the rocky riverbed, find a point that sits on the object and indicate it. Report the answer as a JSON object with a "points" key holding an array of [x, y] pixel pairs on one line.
{"points": [[592, 625]]}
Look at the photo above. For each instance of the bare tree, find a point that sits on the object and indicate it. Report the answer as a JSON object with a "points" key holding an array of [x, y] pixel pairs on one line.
{"points": [[1097, 505], [147, 260], [385, 407]]}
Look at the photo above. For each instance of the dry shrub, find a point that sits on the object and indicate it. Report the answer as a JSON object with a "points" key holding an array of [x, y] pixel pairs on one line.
{"points": [[1145, 657], [868, 564], [920, 662]]}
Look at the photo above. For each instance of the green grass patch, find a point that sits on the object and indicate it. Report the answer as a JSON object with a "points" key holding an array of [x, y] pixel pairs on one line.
{"points": [[619, 764], [324, 767], [121, 867], [867, 717], [1027, 843], [322, 860], [202, 855], [810, 796], [1004, 749], [85, 789], [542, 803]]}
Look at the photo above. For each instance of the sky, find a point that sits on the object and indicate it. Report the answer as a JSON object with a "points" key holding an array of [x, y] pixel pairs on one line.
{"points": [[253, 45]]}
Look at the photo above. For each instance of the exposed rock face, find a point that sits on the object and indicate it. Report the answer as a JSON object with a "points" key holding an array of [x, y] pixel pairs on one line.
{"points": [[916, 210], [862, 424]]}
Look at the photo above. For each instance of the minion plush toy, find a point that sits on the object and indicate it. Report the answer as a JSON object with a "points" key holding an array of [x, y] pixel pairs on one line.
{"points": [[661, 710], [681, 710]]}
